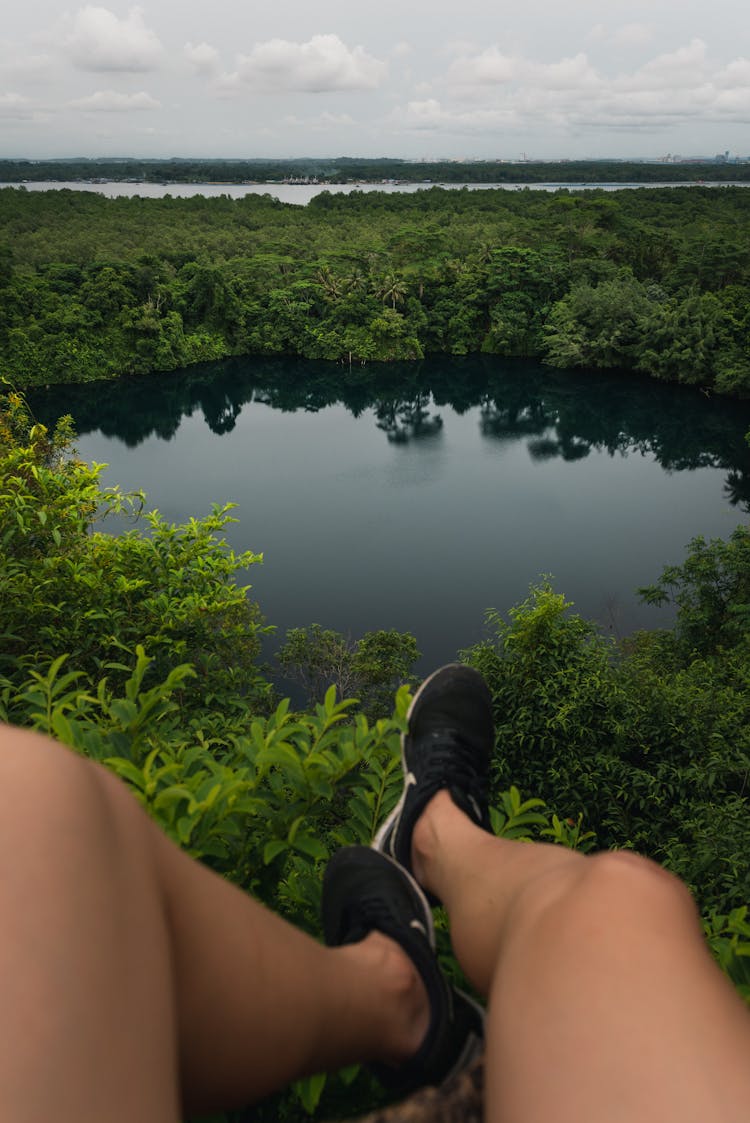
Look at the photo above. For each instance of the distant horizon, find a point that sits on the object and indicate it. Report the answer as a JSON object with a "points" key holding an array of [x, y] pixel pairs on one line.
{"points": [[669, 158]]}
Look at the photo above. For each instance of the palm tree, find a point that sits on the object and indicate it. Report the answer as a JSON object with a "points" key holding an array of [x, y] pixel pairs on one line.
{"points": [[329, 282], [355, 281], [391, 287]]}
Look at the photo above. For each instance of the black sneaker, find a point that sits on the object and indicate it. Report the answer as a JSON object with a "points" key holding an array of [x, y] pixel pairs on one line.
{"points": [[448, 744], [364, 890]]}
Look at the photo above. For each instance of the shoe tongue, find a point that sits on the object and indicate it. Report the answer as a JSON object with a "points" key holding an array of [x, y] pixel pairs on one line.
{"points": [[444, 735]]}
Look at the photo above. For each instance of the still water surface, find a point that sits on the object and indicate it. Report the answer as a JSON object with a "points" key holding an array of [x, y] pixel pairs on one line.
{"points": [[416, 496], [302, 193]]}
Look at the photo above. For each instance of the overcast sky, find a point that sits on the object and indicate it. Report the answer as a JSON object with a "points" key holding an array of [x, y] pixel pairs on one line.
{"points": [[407, 78]]}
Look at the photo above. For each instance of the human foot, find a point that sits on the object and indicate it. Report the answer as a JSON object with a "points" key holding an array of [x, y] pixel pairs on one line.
{"points": [[363, 891], [448, 745], [401, 1017]]}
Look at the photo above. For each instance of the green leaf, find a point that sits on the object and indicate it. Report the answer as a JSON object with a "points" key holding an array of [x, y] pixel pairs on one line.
{"points": [[185, 827], [63, 729], [126, 770], [310, 1090], [273, 848], [310, 845]]}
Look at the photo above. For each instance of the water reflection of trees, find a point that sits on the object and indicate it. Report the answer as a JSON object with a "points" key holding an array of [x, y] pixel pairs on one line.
{"points": [[509, 420], [562, 415], [404, 420]]}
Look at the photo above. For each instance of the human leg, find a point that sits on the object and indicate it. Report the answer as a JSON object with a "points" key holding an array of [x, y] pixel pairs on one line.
{"points": [[601, 989], [260, 1003], [604, 1003], [135, 981], [86, 1018]]}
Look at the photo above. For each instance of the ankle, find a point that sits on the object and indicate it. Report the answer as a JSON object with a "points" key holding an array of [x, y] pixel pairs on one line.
{"points": [[426, 836], [403, 995]]}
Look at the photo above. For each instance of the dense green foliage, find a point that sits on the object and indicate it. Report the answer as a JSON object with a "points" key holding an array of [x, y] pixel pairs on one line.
{"points": [[371, 669], [656, 281], [171, 589], [353, 170], [140, 651]]}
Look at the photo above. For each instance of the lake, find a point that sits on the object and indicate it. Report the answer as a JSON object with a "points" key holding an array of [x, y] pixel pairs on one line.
{"points": [[415, 496]]}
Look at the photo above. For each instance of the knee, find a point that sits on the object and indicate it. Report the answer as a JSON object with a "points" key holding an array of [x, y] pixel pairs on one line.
{"points": [[46, 784], [32, 763], [609, 889], [68, 807], [623, 880]]}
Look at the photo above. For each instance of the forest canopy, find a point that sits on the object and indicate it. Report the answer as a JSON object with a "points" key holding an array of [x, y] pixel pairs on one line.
{"points": [[655, 281]]}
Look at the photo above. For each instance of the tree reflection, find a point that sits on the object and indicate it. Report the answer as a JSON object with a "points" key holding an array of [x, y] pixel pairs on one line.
{"points": [[503, 420], [404, 420], [557, 414]]}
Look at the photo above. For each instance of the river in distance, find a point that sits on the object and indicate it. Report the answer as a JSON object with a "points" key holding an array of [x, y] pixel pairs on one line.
{"points": [[415, 496], [302, 193]]}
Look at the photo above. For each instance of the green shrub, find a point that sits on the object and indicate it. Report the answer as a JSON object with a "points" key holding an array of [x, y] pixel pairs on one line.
{"points": [[370, 669], [68, 588], [649, 741]]}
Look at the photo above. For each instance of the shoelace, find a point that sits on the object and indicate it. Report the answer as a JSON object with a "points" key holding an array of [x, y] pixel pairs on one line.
{"points": [[450, 761], [373, 912]]}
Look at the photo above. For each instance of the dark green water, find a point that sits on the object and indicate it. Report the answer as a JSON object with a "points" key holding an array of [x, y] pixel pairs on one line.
{"points": [[415, 496]]}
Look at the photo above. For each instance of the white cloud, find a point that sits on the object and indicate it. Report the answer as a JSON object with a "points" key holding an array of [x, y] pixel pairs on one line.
{"points": [[203, 58], [568, 74], [505, 91], [493, 68], [100, 41], [431, 116], [110, 101], [401, 49], [683, 67], [423, 114], [736, 73], [321, 123], [734, 103], [326, 121], [15, 107], [324, 63]]}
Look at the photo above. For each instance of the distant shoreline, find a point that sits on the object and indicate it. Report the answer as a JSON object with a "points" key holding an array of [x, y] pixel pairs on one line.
{"points": [[350, 172]]}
